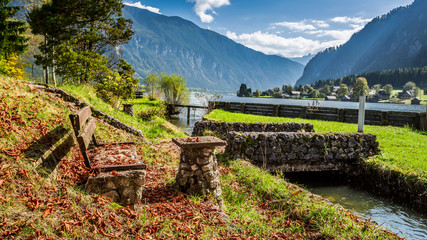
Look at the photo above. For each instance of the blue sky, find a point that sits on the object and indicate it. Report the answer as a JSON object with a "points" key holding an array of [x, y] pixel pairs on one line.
{"points": [[290, 28]]}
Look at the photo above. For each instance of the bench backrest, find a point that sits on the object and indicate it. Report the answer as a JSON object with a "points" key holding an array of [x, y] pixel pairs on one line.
{"points": [[84, 127]]}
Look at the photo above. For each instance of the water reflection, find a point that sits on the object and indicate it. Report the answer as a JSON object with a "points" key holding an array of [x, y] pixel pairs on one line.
{"points": [[402, 220]]}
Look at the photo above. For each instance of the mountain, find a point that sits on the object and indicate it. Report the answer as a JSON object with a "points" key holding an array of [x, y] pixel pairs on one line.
{"points": [[206, 59], [303, 60], [395, 40]]}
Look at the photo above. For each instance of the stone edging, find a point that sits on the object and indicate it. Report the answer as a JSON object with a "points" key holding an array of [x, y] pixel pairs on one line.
{"points": [[97, 113], [221, 129]]}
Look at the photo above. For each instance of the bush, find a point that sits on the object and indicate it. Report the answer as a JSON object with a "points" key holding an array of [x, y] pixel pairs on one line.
{"points": [[174, 92], [150, 113]]}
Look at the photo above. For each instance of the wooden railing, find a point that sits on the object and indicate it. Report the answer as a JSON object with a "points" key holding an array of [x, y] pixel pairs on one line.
{"points": [[372, 117]]}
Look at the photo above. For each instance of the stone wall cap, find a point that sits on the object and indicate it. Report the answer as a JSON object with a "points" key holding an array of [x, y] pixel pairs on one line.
{"points": [[198, 142]]}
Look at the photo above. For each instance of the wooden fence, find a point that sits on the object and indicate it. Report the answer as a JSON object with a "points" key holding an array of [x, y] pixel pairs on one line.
{"points": [[372, 117]]}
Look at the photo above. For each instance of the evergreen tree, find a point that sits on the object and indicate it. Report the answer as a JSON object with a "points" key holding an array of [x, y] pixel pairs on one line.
{"points": [[12, 42], [80, 33]]}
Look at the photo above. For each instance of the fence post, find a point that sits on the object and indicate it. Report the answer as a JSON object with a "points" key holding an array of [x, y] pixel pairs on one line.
{"points": [[227, 106], [188, 115], [423, 121], [361, 119], [384, 118], [276, 110], [341, 115], [242, 107], [304, 112]]}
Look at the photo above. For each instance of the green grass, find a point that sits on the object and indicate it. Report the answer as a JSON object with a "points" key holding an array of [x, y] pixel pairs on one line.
{"points": [[402, 148], [154, 129]]}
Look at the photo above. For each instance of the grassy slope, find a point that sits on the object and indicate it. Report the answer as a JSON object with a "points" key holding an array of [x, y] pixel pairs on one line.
{"points": [[257, 203], [402, 149]]}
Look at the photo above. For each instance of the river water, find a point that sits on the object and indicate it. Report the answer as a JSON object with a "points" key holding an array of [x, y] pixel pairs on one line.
{"points": [[403, 220], [397, 218]]}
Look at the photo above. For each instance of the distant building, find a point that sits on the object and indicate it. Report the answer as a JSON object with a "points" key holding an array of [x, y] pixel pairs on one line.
{"points": [[330, 98], [335, 89], [383, 95], [295, 94], [286, 95], [405, 95], [416, 101], [345, 98]]}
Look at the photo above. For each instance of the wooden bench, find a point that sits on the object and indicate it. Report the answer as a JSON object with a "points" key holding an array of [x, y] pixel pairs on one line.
{"points": [[105, 156]]}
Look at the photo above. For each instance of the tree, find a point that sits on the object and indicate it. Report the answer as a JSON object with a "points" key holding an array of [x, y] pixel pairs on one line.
{"points": [[376, 87], [79, 32], [388, 89], [278, 94], [151, 83], [342, 91], [314, 93], [208, 99], [326, 89], [257, 93], [12, 42], [409, 86], [120, 84], [288, 89], [418, 92], [244, 91], [360, 87], [174, 92]]}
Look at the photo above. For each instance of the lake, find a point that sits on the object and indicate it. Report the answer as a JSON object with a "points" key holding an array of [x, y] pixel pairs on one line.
{"points": [[331, 104]]}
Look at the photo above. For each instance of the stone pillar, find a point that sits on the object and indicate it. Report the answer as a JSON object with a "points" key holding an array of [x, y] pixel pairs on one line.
{"points": [[198, 168], [128, 108]]}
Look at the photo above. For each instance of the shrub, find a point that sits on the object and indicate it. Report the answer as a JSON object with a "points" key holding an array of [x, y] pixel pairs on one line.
{"points": [[150, 113], [174, 92]]}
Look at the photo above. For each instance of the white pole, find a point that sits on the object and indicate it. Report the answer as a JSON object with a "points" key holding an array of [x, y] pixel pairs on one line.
{"points": [[361, 120]]}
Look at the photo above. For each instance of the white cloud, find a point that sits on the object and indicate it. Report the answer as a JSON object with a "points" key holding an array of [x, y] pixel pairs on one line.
{"points": [[273, 44], [341, 35], [350, 20], [205, 8], [320, 23], [313, 36], [139, 5], [297, 26]]}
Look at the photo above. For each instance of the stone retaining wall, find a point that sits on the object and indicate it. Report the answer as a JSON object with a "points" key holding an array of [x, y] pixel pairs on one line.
{"points": [[221, 129], [97, 113], [301, 151]]}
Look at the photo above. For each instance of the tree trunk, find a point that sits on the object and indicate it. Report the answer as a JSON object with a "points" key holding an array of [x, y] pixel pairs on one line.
{"points": [[32, 71], [53, 75], [46, 74]]}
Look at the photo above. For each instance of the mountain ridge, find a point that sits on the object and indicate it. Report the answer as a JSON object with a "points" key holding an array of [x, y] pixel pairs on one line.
{"points": [[394, 40], [205, 58]]}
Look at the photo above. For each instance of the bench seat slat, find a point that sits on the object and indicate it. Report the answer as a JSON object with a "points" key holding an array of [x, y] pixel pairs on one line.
{"points": [[86, 135]]}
